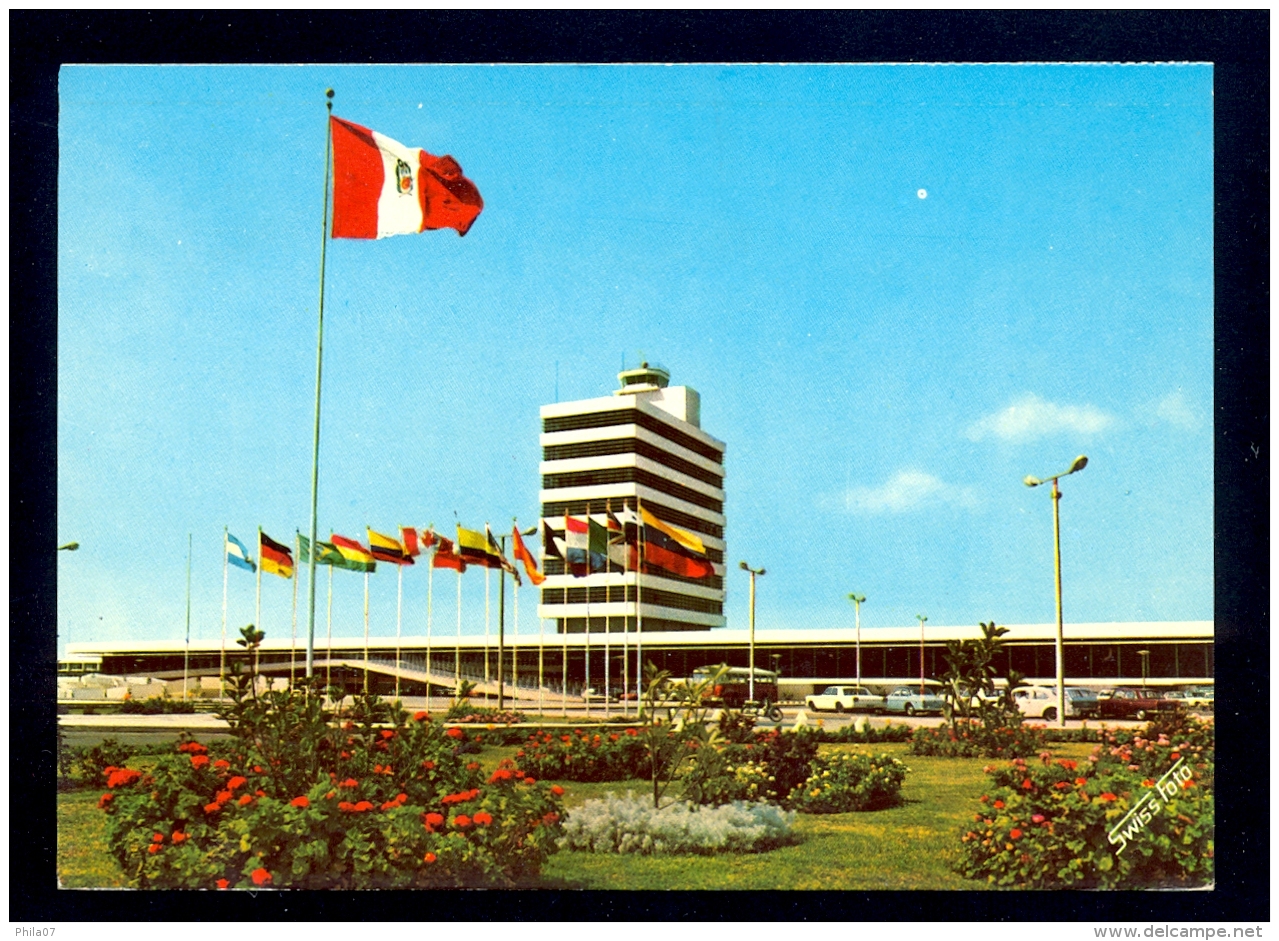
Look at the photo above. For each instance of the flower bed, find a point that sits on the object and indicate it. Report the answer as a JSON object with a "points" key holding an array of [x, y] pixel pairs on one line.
{"points": [[632, 825], [847, 782], [1062, 823], [585, 755], [295, 802]]}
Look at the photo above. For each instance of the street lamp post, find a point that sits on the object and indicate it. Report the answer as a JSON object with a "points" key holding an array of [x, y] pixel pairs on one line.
{"points": [[501, 624], [1077, 465], [922, 618], [857, 600], [1145, 666], [751, 682]]}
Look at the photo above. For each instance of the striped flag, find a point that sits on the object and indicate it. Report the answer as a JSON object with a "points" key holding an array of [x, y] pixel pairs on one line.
{"points": [[445, 557], [326, 553], [238, 555], [385, 549], [495, 550], [474, 548], [358, 559], [552, 545], [577, 542], [274, 557], [408, 536]]}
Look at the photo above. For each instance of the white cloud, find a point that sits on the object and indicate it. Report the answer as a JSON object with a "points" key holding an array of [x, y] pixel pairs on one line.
{"points": [[906, 490], [1031, 417], [1174, 409]]}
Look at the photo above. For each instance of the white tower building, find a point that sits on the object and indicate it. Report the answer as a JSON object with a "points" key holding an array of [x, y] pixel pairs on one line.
{"points": [[643, 444]]}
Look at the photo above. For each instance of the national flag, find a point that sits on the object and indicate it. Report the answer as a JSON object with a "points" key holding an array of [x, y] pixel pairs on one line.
{"points": [[662, 549], [495, 549], [474, 548], [429, 538], [577, 543], [358, 559], [551, 544], [381, 187], [408, 536], [617, 549], [445, 557], [238, 555], [523, 555], [385, 549], [597, 544], [274, 557], [326, 553]]}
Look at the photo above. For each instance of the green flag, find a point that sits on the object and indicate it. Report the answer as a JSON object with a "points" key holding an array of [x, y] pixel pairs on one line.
{"points": [[327, 555]]}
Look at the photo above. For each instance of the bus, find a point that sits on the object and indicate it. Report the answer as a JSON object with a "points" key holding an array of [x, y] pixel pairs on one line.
{"points": [[733, 690]]}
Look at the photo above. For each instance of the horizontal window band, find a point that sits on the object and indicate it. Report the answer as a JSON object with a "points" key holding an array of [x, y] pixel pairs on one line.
{"points": [[557, 567], [568, 452], [558, 508], [632, 416], [603, 594], [631, 475]]}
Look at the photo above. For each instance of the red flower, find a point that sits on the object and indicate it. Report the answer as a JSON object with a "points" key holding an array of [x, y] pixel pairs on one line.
{"points": [[433, 820], [212, 808], [428, 765], [999, 805], [1188, 783], [350, 782], [1037, 818], [472, 766], [235, 782], [257, 769], [105, 799], [346, 754], [389, 805], [1149, 782], [223, 796], [222, 763], [1014, 834], [420, 716], [401, 798], [550, 818], [261, 877], [566, 738], [302, 801], [1175, 755], [245, 800], [557, 790], [501, 774], [483, 818], [454, 733], [1106, 797], [345, 806], [178, 836], [1081, 781], [362, 806], [984, 798], [157, 838], [461, 821], [429, 858], [260, 793], [222, 883], [530, 780], [632, 732], [199, 761], [153, 848], [122, 777], [1027, 785]]}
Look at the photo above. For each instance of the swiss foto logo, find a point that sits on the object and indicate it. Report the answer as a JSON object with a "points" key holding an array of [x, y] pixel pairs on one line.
{"points": [[403, 177]]}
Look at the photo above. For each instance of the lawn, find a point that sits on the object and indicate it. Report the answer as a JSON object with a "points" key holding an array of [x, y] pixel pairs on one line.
{"points": [[905, 847]]}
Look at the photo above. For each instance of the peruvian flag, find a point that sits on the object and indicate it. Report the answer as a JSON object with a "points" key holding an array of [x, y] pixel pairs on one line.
{"points": [[381, 187]]}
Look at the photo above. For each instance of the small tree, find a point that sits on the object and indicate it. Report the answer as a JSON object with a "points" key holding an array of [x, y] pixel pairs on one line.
{"points": [[970, 680], [676, 734]]}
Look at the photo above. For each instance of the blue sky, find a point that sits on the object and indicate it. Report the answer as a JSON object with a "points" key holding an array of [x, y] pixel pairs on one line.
{"points": [[898, 289]]}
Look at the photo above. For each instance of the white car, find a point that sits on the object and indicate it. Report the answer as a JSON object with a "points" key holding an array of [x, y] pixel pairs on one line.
{"points": [[1040, 702], [845, 699]]}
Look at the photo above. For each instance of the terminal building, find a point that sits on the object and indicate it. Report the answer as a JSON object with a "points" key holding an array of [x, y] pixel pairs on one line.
{"points": [[642, 445]]}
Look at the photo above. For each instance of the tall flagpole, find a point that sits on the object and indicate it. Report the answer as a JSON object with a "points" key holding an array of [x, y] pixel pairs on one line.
{"points": [[293, 640], [639, 604], [328, 659], [257, 608], [366, 632], [515, 641], [319, 372], [586, 685], [399, 602], [457, 652], [487, 570], [186, 654], [222, 658], [430, 597], [541, 636], [567, 570]]}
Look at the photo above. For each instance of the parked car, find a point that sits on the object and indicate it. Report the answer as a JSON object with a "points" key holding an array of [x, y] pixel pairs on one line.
{"points": [[1040, 702], [908, 700], [844, 699], [1131, 702], [1200, 697]]}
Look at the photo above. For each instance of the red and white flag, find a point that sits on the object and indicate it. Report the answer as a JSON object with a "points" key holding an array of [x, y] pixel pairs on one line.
{"points": [[381, 187]]}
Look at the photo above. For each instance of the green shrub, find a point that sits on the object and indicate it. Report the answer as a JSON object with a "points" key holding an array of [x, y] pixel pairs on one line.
{"points": [[971, 739], [849, 782], [1066, 824], [768, 767], [585, 754], [155, 706], [382, 801], [93, 761], [849, 734]]}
